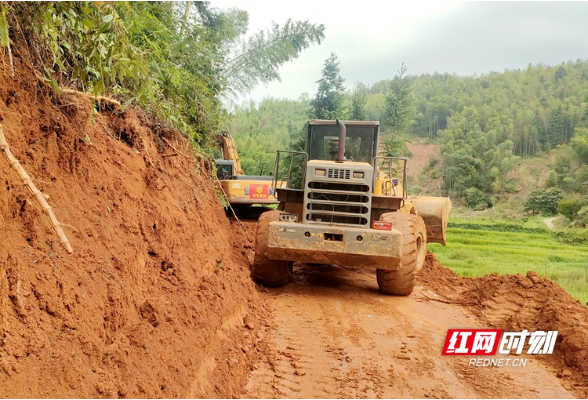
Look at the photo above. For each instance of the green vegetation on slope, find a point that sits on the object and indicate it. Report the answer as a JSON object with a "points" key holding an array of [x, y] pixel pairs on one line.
{"points": [[485, 124], [178, 60]]}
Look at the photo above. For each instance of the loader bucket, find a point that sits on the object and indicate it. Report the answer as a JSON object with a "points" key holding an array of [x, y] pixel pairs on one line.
{"points": [[435, 212]]}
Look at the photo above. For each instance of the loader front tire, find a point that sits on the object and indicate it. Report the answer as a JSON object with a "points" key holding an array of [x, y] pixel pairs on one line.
{"points": [[400, 282], [265, 271]]}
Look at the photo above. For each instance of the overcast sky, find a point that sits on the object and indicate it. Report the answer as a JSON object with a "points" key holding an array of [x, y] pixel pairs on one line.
{"points": [[372, 39]]}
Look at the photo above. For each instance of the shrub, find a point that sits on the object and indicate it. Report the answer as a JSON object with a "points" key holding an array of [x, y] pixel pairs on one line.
{"points": [[582, 217], [570, 205], [474, 196], [569, 184], [552, 180], [572, 236], [511, 186]]}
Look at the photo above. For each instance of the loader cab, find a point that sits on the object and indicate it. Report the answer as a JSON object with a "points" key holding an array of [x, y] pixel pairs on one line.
{"points": [[361, 143], [335, 183]]}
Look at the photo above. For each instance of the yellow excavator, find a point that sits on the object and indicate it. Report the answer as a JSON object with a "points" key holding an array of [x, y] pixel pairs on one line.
{"points": [[240, 190]]}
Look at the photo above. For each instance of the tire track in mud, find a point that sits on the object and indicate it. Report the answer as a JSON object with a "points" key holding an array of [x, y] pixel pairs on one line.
{"points": [[298, 338], [335, 336]]}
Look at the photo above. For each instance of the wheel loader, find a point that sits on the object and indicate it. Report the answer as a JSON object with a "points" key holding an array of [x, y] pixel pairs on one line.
{"points": [[346, 205]]}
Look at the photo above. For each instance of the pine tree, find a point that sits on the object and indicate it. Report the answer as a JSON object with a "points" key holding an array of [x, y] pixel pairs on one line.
{"points": [[398, 113], [328, 101], [556, 128], [358, 103]]}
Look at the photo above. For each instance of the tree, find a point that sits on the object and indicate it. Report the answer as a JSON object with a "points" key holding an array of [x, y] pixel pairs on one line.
{"points": [[560, 73], [328, 100], [259, 58], [398, 112], [358, 110], [580, 144], [556, 128]]}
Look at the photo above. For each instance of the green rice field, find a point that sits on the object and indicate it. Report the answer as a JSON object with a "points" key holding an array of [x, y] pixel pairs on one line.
{"points": [[479, 247]]}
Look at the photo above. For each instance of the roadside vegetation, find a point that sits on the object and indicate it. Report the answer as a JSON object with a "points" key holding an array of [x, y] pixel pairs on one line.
{"points": [[177, 60]]}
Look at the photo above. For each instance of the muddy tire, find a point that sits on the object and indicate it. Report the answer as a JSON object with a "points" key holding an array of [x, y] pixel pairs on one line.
{"points": [[265, 271], [401, 281]]}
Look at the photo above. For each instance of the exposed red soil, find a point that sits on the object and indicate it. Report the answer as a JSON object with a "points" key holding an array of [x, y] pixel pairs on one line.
{"points": [[416, 168], [153, 302], [421, 154]]}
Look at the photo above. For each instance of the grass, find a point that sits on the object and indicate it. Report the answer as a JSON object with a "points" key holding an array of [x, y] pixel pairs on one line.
{"points": [[477, 247]]}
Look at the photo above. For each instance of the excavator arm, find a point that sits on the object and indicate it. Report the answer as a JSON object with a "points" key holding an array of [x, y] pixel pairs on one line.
{"points": [[226, 145]]}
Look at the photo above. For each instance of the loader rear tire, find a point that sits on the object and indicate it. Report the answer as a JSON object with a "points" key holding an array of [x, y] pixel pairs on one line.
{"points": [[400, 282], [265, 271]]}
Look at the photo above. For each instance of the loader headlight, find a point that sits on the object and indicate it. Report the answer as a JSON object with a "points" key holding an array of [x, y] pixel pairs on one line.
{"points": [[358, 175], [288, 217], [319, 172]]}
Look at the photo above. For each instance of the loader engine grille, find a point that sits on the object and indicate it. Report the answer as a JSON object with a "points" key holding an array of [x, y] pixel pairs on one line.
{"points": [[336, 173], [338, 203]]}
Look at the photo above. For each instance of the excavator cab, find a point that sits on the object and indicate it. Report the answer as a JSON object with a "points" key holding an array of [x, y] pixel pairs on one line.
{"points": [[224, 169]]}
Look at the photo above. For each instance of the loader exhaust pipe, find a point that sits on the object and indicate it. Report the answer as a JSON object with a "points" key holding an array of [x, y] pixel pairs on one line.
{"points": [[341, 146]]}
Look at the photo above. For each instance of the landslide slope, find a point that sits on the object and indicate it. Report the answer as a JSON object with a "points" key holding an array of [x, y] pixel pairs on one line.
{"points": [[152, 301]]}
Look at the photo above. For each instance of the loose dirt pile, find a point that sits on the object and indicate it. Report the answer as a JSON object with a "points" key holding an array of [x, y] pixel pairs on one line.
{"points": [[153, 302], [515, 303]]}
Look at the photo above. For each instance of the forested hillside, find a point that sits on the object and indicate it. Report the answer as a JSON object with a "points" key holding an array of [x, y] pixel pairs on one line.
{"points": [[486, 125], [177, 60], [260, 130]]}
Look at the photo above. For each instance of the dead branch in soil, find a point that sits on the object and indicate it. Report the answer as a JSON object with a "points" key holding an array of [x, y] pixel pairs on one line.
{"points": [[232, 210], [38, 180], [176, 150], [433, 299], [9, 47], [26, 179], [11, 61], [110, 133], [77, 92]]}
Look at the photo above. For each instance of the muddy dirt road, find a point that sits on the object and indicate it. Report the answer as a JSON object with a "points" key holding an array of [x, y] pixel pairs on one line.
{"points": [[335, 335]]}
